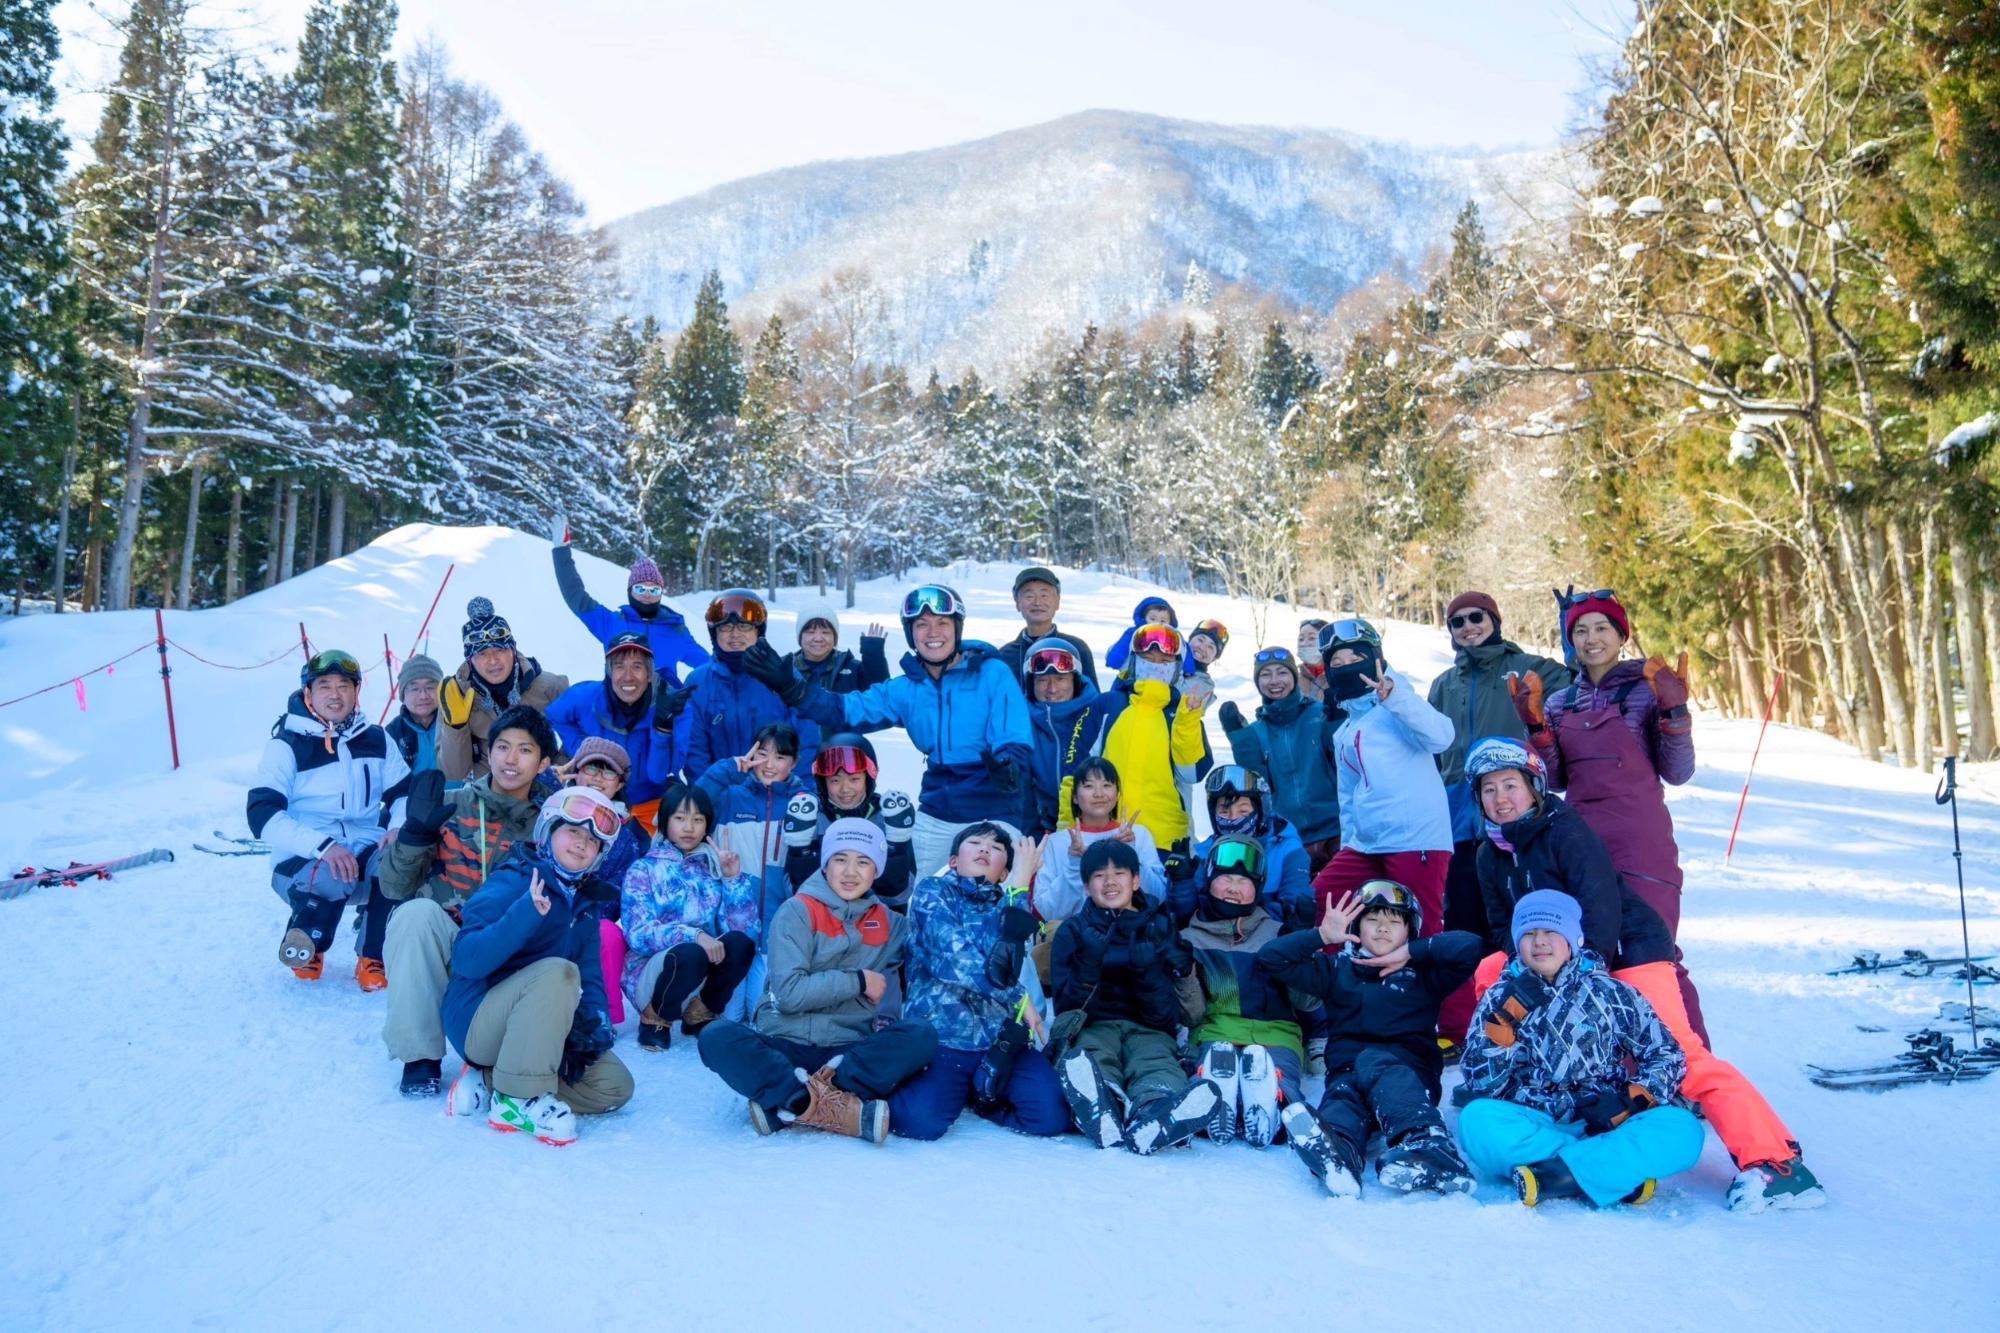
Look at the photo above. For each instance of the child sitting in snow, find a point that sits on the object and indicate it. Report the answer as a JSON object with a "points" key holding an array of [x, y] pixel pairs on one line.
{"points": [[1382, 994], [1116, 963], [752, 794], [691, 924], [1561, 1110], [1245, 1023]]}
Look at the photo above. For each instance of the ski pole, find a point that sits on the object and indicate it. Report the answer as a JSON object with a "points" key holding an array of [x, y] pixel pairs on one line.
{"points": [[167, 684], [1947, 794], [389, 661], [1777, 679]]}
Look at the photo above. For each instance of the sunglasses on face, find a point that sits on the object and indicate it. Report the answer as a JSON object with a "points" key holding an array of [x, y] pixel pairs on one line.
{"points": [[647, 590], [1464, 618]]}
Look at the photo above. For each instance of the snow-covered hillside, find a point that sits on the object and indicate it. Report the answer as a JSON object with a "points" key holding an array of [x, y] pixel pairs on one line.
{"points": [[981, 248], [197, 1138]]}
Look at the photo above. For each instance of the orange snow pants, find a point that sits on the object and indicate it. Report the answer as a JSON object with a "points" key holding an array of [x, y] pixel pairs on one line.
{"points": [[1743, 1120]]}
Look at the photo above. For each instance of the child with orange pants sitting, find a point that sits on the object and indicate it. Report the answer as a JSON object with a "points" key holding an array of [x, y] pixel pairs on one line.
{"points": [[1535, 841]]}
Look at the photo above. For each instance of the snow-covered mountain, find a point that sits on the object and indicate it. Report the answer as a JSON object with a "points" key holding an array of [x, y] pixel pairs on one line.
{"points": [[981, 248]]}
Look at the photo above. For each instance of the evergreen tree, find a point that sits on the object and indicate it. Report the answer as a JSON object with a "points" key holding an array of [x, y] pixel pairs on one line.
{"points": [[705, 379], [1284, 375], [38, 298]]}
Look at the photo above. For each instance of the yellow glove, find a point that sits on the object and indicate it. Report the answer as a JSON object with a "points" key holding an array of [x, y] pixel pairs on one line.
{"points": [[455, 700]]}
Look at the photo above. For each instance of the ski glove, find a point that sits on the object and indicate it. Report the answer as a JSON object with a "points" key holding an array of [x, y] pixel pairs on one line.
{"points": [[763, 665], [559, 530], [1525, 689], [1608, 1108], [1005, 772], [455, 701], [801, 820], [425, 811], [899, 817], [989, 1081], [668, 706], [1232, 717], [1669, 683], [1520, 995]]}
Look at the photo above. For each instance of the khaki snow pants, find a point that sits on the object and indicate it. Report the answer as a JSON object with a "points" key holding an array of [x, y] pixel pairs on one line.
{"points": [[518, 1031], [416, 953]]}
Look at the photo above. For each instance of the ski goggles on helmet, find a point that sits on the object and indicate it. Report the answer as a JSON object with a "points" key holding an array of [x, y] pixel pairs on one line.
{"points": [[737, 607], [1572, 597], [1267, 656], [1235, 780], [1052, 662], [1214, 629], [1237, 856], [583, 807], [646, 590], [934, 599], [490, 636], [1497, 754], [842, 759], [330, 662], [1347, 632], [1157, 639], [1388, 893]]}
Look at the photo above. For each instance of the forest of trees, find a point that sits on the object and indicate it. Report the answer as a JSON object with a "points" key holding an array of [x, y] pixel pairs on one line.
{"points": [[1750, 378]]}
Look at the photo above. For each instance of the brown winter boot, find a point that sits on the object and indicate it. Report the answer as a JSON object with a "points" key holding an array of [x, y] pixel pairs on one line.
{"points": [[696, 1016], [838, 1112]]}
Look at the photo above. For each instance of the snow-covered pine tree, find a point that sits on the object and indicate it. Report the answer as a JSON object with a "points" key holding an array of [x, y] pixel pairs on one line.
{"points": [[38, 305]]}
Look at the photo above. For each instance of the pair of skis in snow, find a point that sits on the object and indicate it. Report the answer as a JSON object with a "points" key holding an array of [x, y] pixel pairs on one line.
{"points": [[1915, 963], [77, 871], [1932, 1057]]}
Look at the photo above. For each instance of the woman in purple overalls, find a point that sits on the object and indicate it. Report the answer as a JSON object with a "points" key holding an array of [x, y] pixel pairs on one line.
{"points": [[1609, 740]]}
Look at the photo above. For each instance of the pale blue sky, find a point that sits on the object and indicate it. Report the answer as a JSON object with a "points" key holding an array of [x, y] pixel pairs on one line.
{"points": [[638, 103]]}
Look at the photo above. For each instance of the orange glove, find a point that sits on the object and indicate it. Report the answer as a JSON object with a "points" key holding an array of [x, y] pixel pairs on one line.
{"points": [[1525, 689], [1669, 686]]}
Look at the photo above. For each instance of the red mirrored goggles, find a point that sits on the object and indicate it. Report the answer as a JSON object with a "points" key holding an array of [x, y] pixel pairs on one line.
{"points": [[737, 608], [1054, 662], [842, 759], [1157, 639]]}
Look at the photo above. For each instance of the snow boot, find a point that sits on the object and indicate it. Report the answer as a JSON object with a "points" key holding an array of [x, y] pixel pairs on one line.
{"points": [[311, 929], [1538, 1182], [1315, 1056], [763, 1121], [298, 952], [1425, 1160], [654, 1035], [545, 1115], [1262, 1093], [468, 1097], [1787, 1184], [1089, 1099], [838, 1111], [695, 1016], [1450, 1050], [1320, 1154], [989, 1081], [422, 1078], [370, 975], [1167, 1122], [1218, 1066]]}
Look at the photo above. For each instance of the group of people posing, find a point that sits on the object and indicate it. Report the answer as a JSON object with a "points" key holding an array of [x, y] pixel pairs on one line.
{"points": [[1389, 884]]}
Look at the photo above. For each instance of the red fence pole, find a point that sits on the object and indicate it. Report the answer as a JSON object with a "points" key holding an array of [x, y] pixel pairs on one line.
{"points": [[421, 629], [167, 684], [1777, 679], [389, 662], [305, 644]]}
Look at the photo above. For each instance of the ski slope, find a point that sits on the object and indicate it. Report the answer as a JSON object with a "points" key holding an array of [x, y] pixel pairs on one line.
{"points": [[197, 1138]]}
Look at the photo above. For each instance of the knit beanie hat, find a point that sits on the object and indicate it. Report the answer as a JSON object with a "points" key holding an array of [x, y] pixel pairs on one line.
{"points": [[854, 835], [1478, 601], [643, 571], [1607, 606], [603, 750], [1108, 853], [1549, 909], [418, 667], [484, 628]]}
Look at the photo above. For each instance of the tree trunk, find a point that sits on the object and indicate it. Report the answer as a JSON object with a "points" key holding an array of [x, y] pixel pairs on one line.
{"points": [[184, 594], [311, 550], [59, 575], [847, 571], [93, 572], [232, 554], [771, 556], [1898, 659], [336, 522], [275, 535], [1743, 652], [1989, 610], [289, 542], [1973, 663], [1917, 610], [1867, 604]]}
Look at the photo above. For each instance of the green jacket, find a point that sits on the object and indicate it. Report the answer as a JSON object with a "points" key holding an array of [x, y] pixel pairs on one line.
{"points": [[1227, 997], [483, 828], [1473, 694]]}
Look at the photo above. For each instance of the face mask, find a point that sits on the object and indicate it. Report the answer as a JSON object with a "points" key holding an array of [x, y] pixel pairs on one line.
{"points": [[645, 611], [1164, 672], [1217, 910], [1243, 827], [1344, 682], [1497, 838]]}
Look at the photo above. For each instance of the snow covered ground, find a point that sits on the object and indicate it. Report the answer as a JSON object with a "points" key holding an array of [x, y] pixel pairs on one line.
{"points": [[197, 1138]]}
